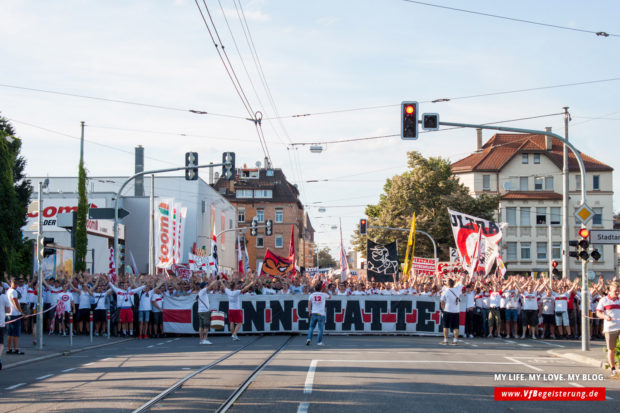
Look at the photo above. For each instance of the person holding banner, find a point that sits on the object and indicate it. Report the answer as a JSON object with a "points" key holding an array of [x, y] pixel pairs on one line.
{"points": [[235, 313], [316, 307], [204, 311], [450, 303]]}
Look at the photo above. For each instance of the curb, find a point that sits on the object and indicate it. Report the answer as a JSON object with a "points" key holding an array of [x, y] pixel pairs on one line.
{"points": [[62, 353], [579, 358]]}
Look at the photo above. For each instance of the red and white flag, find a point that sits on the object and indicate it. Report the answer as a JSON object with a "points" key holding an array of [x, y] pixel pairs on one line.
{"points": [[112, 267], [239, 256], [291, 249], [344, 265], [214, 266]]}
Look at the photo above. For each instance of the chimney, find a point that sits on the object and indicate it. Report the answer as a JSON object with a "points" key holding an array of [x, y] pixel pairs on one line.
{"points": [[267, 166], [211, 179], [548, 140], [478, 140], [139, 167]]}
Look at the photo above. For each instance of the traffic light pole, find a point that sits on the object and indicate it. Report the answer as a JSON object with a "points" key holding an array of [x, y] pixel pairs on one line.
{"points": [[118, 195], [585, 337], [40, 275]]}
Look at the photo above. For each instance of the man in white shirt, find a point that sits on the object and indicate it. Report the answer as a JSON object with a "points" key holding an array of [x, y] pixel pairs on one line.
{"points": [[5, 307], [14, 314], [609, 310], [316, 307], [450, 305], [235, 313], [204, 311]]}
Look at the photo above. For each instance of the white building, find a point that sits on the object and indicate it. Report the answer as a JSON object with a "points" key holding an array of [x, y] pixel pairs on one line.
{"points": [[526, 170], [202, 201]]}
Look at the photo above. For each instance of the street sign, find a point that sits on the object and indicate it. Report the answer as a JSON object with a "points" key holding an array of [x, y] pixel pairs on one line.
{"points": [[106, 213], [605, 236], [584, 213]]}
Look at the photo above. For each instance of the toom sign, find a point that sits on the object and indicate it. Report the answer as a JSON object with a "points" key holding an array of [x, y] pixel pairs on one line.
{"points": [[51, 208], [163, 236], [289, 314]]}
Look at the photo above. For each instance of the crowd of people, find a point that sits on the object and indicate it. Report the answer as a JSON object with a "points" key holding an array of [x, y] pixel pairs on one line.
{"points": [[510, 307]]}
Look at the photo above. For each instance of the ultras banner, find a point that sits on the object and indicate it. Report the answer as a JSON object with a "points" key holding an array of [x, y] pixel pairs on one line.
{"points": [[382, 261], [289, 313]]}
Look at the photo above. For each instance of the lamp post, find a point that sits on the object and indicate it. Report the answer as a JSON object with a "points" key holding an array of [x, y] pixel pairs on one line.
{"points": [[42, 185]]}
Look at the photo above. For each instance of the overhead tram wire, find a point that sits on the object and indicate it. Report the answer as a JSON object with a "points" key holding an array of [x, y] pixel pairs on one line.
{"points": [[233, 77], [441, 100], [514, 19], [125, 102]]}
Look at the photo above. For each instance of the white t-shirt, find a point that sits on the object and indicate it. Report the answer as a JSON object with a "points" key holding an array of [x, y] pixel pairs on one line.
{"points": [[145, 300], [54, 291], [512, 299], [12, 293], [561, 302], [22, 291], [4, 302], [100, 299], [203, 301], [469, 300], [234, 299], [495, 298], [65, 299], [451, 296], [356, 292], [610, 308], [530, 301], [317, 301], [159, 300], [84, 300], [124, 298]]}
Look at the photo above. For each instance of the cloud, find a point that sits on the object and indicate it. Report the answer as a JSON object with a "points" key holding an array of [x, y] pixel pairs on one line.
{"points": [[327, 20]]}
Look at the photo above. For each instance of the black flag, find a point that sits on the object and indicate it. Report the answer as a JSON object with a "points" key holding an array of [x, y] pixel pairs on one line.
{"points": [[382, 261]]}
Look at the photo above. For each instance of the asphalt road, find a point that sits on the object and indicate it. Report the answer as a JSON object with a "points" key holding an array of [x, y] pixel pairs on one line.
{"points": [[350, 374]]}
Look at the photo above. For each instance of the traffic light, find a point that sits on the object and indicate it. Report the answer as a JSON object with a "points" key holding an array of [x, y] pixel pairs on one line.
{"points": [[191, 160], [268, 227], [253, 228], [574, 244], [555, 270], [409, 120], [363, 226], [595, 255], [42, 247], [430, 121], [228, 169], [584, 244]]}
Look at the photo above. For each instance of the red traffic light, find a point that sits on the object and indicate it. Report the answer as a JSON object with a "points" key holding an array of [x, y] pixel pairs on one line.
{"points": [[584, 233], [409, 109], [554, 264], [362, 226]]}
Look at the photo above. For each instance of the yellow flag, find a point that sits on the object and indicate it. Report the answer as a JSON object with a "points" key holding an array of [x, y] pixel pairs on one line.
{"points": [[410, 249]]}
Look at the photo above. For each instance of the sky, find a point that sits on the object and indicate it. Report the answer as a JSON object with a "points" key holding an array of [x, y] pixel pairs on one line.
{"points": [[321, 58]]}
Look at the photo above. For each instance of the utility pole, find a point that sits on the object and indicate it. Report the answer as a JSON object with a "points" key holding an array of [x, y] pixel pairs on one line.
{"points": [[152, 228], [565, 226]]}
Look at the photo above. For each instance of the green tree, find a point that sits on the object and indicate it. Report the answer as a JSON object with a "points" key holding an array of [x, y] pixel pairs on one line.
{"points": [[428, 188], [81, 239], [325, 259], [15, 193]]}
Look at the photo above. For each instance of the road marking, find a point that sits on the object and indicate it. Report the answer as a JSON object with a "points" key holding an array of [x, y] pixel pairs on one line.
{"points": [[581, 385], [91, 363], [13, 387], [551, 344], [185, 368], [159, 344], [44, 377], [68, 370], [524, 345], [523, 363], [169, 341], [310, 377], [151, 346], [509, 341], [303, 407]]}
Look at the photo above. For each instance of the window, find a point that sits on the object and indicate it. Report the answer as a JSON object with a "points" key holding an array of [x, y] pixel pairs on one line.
{"points": [[541, 250], [538, 183], [512, 251], [556, 250], [240, 214], [577, 182], [548, 183], [511, 216], [525, 217], [556, 215], [525, 158], [249, 174], [596, 182], [269, 172], [243, 193], [260, 214], [525, 251], [279, 241], [263, 193], [541, 216], [486, 182], [523, 183], [597, 219], [260, 241], [279, 215], [537, 158]]}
